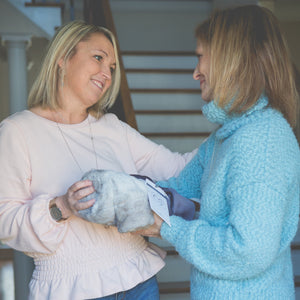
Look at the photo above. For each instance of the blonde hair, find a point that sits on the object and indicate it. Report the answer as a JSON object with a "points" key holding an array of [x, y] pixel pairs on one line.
{"points": [[63, 45], [249, 56]]}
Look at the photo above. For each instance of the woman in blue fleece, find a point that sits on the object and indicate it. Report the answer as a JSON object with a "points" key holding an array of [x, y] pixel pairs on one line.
{"points": [[247, 173]]}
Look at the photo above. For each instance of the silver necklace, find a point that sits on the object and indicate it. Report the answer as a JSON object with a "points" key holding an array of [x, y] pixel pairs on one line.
{"points": [[68, 145]]}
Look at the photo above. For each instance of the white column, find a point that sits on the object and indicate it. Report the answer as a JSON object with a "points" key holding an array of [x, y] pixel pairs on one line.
{"points": [[16, 51]]}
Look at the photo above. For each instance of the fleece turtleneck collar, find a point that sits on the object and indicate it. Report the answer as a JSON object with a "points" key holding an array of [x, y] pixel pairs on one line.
{"points": [[230, 122]]}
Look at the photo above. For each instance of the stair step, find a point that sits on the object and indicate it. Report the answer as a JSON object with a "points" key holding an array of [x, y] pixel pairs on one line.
{"points": [[176, 269], [6, 254], [179, 144], [45, 4], [176, 134], [180, 296], [295, 246], [159, 62], [158, 53], [162, 81], [297, 281], [168, 112], [166, 90], [165, 101], [174, 287], [164, 71], [175, 123]]}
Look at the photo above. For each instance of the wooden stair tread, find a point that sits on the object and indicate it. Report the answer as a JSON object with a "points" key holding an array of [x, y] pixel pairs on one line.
{"points": [[6, 254], [297, 281], [44, 4], [295, 246], [174, 287]]}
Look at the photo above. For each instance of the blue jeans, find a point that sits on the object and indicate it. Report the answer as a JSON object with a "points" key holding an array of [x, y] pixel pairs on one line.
{"points": [[147, 290]]}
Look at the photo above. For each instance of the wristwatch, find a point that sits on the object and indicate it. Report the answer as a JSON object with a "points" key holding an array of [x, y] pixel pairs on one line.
{"points": [[55, 213]]}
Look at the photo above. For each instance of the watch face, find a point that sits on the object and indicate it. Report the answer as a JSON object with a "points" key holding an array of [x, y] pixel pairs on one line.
{"points": [[55, 213]]}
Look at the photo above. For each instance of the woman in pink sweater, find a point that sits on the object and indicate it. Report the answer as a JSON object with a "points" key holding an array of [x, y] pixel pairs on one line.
{"points": [[45, 150]]}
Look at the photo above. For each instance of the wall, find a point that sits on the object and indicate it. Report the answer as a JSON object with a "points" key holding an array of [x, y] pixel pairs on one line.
{"points": [[163, 26]]}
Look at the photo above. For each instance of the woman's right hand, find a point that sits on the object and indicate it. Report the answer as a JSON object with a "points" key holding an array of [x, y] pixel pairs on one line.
{"points": [[69, 203]]}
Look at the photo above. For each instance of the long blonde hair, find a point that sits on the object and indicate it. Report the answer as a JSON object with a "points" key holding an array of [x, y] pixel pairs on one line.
{"points": [[63, 45], [249, 56]]}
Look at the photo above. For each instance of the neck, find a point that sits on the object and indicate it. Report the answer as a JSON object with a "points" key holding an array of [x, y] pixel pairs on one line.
{"points": [[67, 117]]}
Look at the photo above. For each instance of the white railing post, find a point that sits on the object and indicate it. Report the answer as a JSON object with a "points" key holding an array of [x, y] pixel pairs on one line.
{"points": [[16, 52]]}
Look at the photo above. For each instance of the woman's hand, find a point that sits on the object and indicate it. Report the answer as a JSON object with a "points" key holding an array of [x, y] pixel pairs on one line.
{"points": [[68, 203], [154, 229]]}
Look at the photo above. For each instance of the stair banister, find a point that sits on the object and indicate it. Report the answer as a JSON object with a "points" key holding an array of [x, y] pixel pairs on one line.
{"points": [[98, 12]]}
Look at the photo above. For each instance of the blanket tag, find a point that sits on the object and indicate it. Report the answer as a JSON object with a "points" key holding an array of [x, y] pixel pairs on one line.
{"points": [[158, 201]]}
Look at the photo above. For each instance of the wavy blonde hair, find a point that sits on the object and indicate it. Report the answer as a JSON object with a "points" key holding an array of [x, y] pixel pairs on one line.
{"points": [[63, 45], [249, 56]]}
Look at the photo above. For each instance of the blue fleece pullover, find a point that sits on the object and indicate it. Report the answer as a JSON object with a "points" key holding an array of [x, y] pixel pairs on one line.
{"points": [[247, 177]]}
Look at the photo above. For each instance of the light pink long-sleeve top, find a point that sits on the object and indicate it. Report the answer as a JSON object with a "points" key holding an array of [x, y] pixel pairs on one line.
{"points": [[74, 259]]}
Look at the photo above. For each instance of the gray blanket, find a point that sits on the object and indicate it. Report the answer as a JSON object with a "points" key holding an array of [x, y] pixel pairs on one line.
{"points": [[121, 200]]}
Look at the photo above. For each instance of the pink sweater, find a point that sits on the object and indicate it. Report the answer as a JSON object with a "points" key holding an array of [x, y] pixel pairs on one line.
{"points": [[74, 259]]}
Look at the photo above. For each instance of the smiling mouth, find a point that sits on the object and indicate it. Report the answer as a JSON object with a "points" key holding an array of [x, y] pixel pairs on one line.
{"points": [[98, 84]]}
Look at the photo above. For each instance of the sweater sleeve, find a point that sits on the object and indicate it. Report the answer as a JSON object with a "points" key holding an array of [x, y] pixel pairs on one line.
{"points": [[238, 250], [188, 182], [154, 160], [260, 210], [25, 222]]}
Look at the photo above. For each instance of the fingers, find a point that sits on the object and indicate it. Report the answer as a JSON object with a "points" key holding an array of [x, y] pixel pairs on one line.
{"points": [[76, 192], [79, 185], [152, 230]]}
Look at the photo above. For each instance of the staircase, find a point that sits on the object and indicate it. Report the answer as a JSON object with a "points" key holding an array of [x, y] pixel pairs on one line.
{"points": [[166, 100]]}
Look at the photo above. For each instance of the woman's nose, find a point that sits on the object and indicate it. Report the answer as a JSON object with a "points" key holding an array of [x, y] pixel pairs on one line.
{"points": [[196, 73], [107, 72]]}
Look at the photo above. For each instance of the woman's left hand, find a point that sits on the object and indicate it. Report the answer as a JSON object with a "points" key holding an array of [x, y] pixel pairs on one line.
{"points": [[154, 229]]}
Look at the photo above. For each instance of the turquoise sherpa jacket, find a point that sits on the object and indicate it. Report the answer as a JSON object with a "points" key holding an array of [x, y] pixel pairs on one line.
{"points": [[247, 177]]}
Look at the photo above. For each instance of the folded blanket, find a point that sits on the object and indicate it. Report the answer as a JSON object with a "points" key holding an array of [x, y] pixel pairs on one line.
{"points": [[122, 201]]}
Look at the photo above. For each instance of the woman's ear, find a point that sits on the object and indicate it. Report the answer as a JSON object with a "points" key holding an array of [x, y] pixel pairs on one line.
{"points": [[61, 63]]}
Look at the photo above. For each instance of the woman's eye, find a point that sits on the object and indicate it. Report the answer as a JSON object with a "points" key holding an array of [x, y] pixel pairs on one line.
{"points": [[98, 57]]}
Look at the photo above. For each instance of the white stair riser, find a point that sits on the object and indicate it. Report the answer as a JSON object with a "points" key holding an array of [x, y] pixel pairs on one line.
{"points": [[159, 62], [176, 102], [180, 144], [296, 261], [297, 237], [176, 269], [162, 81], [175, 297], [159, 242], [173, 123]]}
